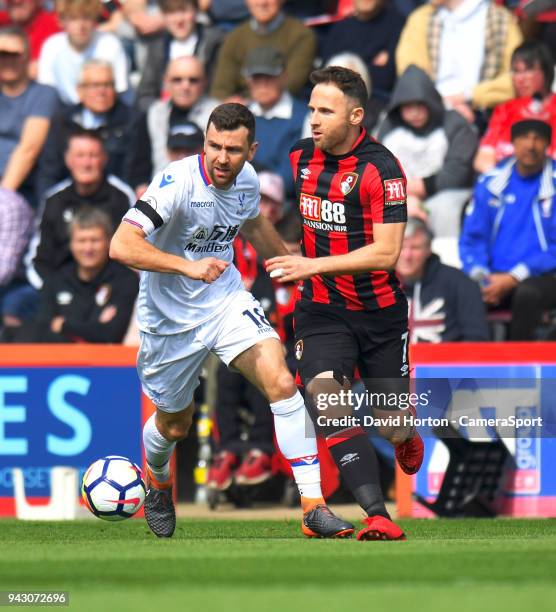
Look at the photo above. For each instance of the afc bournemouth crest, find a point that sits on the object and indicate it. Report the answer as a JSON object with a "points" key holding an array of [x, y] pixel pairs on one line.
{"points": [[299, 350], [347, 182]]}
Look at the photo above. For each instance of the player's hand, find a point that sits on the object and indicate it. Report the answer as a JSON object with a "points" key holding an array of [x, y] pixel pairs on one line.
{"points": [[499, 285], [292, 268], [207, 269]]}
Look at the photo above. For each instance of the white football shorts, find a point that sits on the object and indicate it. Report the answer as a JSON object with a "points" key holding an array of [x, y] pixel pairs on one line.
{"points": [[169, 366]]}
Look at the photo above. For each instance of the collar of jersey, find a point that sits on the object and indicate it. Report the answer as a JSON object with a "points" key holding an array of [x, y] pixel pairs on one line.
{"points": [[356, 144], [204, 175]]}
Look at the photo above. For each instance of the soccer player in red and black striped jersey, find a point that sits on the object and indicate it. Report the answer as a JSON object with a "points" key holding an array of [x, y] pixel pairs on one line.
{"points": [[352, 315]]}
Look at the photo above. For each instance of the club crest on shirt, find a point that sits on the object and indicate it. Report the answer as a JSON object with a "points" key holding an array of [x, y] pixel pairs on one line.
{"points": [[201, 233], [103, 295], [299, 350], [347, 182], [64, 298]]}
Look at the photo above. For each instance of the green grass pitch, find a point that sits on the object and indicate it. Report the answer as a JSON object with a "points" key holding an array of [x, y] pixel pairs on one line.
{"points": [[264, 566]]}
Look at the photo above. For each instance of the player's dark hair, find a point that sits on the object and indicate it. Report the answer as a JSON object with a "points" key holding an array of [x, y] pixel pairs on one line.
{"points": [[347, 81], [79, 132], [18, 32], [533, 52], [88, 216], [231, 116]]}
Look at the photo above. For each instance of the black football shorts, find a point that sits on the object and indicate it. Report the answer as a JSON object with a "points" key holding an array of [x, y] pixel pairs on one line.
{"points": [[374, 344]]}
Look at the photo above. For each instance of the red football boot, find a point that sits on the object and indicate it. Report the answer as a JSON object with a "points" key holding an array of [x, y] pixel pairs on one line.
{"points": [[410, 453], [380, 528], [221, 471], [254, 469]]}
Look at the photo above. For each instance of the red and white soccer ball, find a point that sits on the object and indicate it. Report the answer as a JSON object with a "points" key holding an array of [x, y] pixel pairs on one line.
{"points": [[113, 488]]}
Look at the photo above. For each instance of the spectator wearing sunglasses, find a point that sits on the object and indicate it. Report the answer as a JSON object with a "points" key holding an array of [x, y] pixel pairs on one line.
{"points": [[186, 83]]}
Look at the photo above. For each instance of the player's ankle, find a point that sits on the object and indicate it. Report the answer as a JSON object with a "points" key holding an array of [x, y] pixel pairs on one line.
{"points": [[159, 481], [308, 503]]}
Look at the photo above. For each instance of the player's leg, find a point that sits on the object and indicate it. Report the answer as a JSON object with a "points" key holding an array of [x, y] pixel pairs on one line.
{"points": [[245, 340], [327, 353], [326, 366], [264, 365], [169, 368], [161, 432], [385, 364]]}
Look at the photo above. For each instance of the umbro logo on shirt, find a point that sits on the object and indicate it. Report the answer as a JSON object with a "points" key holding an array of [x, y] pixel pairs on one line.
{"points": [[305, 173]]}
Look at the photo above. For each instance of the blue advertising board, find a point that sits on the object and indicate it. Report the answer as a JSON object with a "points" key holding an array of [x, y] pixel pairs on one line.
{"points": [[68, 416]]}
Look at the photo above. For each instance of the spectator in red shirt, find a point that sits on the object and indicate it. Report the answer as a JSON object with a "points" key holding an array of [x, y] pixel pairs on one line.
{"points": [[532, 69], [38, 24]]}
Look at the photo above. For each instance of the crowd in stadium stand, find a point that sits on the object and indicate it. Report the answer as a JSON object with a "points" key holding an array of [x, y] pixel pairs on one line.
{"points": [[97, 96]]}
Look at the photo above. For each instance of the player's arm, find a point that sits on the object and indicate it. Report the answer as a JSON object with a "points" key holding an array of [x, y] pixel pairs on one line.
{"points": [[261, 234], [129, 247], [382, 254]]}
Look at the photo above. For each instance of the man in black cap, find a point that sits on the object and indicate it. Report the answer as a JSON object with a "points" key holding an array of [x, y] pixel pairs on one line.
{"points": [[508, 242], [184, 139], [279, 116]]}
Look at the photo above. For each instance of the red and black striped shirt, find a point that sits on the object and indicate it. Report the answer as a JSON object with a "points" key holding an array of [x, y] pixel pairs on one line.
{"points": [[340, 199]]}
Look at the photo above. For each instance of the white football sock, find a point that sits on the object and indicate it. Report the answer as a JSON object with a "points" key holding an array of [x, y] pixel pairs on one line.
{"points": [[158, 450], [297, 441]]}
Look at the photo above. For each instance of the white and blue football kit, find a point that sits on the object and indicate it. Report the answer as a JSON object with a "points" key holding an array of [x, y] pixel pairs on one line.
{"points": [[181, 319]]}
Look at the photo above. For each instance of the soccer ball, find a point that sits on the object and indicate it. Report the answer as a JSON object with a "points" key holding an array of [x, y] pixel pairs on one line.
{"points": [[113, 488]]}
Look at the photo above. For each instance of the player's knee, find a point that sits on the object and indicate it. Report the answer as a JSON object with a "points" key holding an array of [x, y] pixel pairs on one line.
{"points": [[176, 430], [324, 394], [283, 386]]}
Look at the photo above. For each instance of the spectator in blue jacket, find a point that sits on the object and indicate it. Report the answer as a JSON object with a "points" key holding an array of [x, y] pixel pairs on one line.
{"points": [[508, 242]]}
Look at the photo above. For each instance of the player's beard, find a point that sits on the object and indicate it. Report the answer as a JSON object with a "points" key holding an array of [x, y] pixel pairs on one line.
{"points": [[223, 181], [328, 142]]}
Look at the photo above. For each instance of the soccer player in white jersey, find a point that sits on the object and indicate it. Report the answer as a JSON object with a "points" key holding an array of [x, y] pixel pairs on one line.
{"points": [[192, 302]]}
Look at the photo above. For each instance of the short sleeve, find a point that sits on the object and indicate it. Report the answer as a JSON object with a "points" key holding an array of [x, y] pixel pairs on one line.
{"points": [[42, 101], [252, 194], [159, 203], [253, 207], [385, 190]]}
